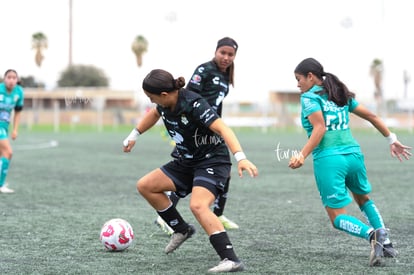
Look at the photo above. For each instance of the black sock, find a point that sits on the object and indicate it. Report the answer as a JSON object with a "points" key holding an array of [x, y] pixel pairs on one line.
{"points": [[221, 200], [174, 198], [223, 246], [174, 219]]}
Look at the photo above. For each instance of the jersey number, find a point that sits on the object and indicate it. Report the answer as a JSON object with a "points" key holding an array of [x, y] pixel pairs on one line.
{"points": [[337, 122]]}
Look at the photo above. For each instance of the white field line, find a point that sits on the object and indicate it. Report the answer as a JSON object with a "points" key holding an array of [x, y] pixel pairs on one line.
{"points": [[36, 146]]}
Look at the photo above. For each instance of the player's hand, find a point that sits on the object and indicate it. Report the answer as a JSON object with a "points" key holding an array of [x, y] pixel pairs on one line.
{"points": [[246, 165], [399, 150], [14, 135], [128, 145], [296, 161]]}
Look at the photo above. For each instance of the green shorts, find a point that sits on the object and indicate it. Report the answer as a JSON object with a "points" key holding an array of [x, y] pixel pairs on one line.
{"points": [[4, 132], [337, 174]]}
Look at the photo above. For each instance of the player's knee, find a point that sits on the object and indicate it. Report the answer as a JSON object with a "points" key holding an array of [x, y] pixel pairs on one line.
{"points": [[143, 186], [198, 207]]}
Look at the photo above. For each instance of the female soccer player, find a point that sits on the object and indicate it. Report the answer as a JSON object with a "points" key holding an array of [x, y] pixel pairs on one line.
{"points": [[212, 80], [338, 161], [203, 168], [11, 98]]}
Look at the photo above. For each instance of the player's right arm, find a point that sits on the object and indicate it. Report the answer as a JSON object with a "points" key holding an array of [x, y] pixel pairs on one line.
{"points": [[150, 118]]}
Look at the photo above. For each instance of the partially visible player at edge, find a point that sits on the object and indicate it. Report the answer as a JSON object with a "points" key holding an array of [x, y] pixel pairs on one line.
{"points": [[338, 162], [11, 98], [203, 168], [212, 81]]}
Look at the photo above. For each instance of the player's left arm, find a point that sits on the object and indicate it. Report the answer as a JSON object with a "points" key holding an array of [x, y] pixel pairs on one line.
{"points": [[397, 149], [16, 122], [219, 127]]}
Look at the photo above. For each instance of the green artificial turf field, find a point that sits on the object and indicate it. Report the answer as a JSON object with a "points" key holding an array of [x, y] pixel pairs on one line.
{"points": [[68, 184]]}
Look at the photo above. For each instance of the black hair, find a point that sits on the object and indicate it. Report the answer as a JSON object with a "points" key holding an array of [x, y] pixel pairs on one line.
{"points": [[158, 81], [337, 91], [11, 70]]}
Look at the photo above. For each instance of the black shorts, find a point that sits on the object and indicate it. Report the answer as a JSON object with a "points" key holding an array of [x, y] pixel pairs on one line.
{"points": [[212, 175]]}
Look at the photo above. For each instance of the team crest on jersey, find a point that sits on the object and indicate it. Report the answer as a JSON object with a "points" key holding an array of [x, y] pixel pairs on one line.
{"points": [[1, 97], [184, 119], [16, 98], [196, 79]]}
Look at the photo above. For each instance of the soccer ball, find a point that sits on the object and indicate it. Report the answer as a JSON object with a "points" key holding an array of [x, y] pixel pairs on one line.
{"points": [[116, 235]]}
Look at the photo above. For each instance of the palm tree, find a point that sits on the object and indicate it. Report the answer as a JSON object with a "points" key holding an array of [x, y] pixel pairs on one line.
{"points": [[139, 47], [39, 43], [376, 71]]}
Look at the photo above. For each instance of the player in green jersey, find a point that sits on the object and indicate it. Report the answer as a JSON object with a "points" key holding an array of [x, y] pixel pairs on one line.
{"points": [[11, 99], [338, 161]]}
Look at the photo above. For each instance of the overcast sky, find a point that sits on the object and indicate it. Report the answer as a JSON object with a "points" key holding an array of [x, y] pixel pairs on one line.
{"points": [[273, 37]]}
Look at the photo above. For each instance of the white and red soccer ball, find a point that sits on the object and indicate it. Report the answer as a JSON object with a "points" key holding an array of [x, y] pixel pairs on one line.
{"points": [[116, 235]]}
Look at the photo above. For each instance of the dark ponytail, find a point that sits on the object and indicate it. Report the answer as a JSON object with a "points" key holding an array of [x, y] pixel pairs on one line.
{"points": [[337, 91], [158, 81]]}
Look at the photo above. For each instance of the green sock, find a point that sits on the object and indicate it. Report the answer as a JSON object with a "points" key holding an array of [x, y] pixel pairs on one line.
{"points": [[372, 214], [352, 226], [4, 169]]}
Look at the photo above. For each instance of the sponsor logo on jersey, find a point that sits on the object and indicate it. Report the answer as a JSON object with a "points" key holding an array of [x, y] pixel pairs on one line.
{"points": [[201, 69], [216, 80], [196, 104]]}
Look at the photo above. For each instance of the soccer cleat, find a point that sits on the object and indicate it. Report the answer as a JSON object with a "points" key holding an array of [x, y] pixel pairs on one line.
{"points": [[227, 265], [178, 238], [228, 224], [5, 189], [390, 251], [164, 226], [377, 239]]}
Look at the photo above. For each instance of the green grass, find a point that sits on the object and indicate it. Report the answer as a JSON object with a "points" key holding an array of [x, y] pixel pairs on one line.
{"points": [[64, 195]]}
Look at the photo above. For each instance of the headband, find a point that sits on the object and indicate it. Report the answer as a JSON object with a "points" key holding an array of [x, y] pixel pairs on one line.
{"points": [[227, 41]]}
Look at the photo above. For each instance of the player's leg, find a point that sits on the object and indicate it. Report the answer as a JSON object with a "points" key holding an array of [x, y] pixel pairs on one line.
{"points": [[172, 195], [200, 202], [333, 174], [218, 209], [5, 157], [360, 187], [204, 193], [353, 226], [374, 218], [153, 187], [160, 222]]}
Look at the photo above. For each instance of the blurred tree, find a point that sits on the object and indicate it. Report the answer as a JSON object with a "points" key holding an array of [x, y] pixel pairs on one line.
{"points": [[139, 47], [30, 82], [39, 43], [83, 76]]}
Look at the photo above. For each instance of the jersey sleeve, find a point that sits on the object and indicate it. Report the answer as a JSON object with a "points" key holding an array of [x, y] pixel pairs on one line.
{"points": [[310, 104], [196, 83], [20, 101], [352, 104]]}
